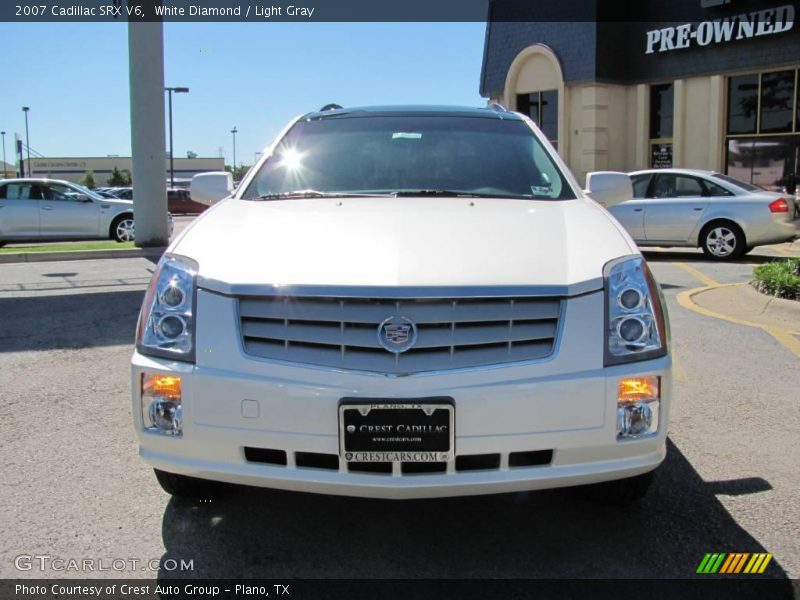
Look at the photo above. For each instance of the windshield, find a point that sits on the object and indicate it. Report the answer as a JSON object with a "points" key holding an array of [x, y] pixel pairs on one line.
{"points": [[745, 186], [88, 192], [407, 155]]}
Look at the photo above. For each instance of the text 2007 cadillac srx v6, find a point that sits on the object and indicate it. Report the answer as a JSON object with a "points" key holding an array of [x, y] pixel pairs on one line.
{"points": [[404, 302]]}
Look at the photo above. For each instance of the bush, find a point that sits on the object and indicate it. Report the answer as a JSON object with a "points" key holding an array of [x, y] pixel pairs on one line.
{"points": [[88, 180], [781, 279]]}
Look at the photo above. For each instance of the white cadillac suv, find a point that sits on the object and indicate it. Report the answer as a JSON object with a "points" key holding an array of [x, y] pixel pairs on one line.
{"points": [[404, 302]]}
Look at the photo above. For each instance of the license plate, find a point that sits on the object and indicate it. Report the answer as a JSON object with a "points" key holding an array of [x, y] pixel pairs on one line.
{"points": [[396, 431]]}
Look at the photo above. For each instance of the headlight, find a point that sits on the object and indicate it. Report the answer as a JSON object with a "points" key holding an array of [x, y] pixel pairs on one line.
{"points": [[166, 322], [636, 322]]}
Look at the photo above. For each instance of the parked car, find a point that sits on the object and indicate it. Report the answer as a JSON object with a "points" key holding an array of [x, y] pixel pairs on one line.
{"points": [[51, 209], [105, 194], [179, 201], [125, 193], [401, 303], [689, 208]]}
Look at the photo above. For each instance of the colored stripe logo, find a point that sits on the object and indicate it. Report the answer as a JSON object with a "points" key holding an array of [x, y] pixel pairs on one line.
{"points": [[734, 563]]}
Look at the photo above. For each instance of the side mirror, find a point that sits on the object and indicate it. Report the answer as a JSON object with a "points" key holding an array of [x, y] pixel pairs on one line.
{"points": [[209, 188], [609, 188]]}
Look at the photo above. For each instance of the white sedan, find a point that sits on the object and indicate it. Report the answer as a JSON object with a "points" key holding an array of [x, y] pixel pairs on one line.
{"points": [[692, 208]]}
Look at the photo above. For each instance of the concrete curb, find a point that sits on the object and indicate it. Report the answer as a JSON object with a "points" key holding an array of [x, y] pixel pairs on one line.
{"points": [[30, 257]]}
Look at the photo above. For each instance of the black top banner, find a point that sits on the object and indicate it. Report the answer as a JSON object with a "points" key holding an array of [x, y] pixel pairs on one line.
{"points": [[265, 11]]}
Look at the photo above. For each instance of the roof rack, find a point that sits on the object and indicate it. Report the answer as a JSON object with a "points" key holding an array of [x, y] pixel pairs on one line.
{"points": [[497, 107], [331, 106]]}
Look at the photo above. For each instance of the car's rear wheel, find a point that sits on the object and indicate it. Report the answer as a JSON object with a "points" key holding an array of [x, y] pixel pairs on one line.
{"points": [[122, 229], [188, 487], [722, 240], [620, 491]]}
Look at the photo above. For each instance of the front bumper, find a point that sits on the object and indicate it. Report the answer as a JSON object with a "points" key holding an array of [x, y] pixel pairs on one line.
{"points": [[232, 402]]}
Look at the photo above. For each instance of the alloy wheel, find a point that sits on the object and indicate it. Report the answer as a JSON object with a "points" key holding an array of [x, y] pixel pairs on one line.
{"points": [[721, 242]]}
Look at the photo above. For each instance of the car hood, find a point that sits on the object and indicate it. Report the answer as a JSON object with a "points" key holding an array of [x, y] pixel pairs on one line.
{"points": [[402, 242], [116, 201]]}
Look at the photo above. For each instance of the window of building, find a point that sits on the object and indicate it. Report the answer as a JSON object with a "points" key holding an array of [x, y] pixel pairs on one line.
{"points": [[542, 108], [742, 104], [777, 97], [759, 107], [661, 120], [661, 110]]}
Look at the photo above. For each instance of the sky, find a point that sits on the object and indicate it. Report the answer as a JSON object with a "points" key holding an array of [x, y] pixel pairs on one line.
{"points": [[254, 76]]}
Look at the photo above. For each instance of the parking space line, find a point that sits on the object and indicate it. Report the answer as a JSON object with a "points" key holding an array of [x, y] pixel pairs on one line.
{"points": [[702, 277]]}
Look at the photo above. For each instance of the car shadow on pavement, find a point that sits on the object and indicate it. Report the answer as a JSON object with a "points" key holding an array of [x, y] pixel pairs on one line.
{"points": [[699, 257], [69, 320], [257, 533]]}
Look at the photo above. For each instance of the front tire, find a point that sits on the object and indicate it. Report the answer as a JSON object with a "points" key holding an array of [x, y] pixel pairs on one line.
{"points": [[722, 240], [621, 491], [122, 229], [184, 486]]}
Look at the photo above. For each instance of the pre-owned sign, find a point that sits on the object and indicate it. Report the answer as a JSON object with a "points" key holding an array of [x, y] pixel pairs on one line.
{"points": [[739, 27]]}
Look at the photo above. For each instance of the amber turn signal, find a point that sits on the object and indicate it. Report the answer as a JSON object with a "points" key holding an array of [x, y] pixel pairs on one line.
{"points": [[638, 389], [162, 386]]}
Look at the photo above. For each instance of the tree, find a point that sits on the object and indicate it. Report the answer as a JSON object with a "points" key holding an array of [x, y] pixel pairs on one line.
{"points": [[119, 178], [88, 180], [239, 172]]}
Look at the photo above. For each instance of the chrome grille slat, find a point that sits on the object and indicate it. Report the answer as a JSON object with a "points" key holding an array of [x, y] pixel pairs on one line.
{"points": [[452, 333]]}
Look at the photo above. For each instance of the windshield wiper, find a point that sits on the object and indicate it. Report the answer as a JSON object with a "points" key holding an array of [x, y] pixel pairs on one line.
{"points": [[311, 194], [452, 194]]}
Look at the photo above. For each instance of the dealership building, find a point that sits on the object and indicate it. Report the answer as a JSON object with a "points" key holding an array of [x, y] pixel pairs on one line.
{"points": [[708, 84], [73, 169]]}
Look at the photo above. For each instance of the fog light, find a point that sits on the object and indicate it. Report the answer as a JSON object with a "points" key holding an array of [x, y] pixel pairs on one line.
{"points": [[166, 416], [634, 420], [637, 406], [162, 404]]}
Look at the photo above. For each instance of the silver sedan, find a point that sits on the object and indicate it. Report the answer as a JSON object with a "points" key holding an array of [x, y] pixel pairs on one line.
{"points": [[692, 208], [51, 209]]}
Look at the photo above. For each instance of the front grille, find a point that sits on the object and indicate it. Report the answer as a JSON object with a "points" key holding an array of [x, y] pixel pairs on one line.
{"points": [[452, 333], [463, 463]]}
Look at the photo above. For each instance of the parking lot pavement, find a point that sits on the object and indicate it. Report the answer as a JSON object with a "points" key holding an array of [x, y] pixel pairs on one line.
{"points": [[73, 486]]}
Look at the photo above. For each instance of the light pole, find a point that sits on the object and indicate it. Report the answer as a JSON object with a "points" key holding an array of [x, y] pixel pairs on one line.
{"points": [[3, 133], [177, 90], [25, 110], [234, 131]]}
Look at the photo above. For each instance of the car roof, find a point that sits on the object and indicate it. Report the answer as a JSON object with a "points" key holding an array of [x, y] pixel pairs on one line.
{"points": [[35, 180], [489, 112], [701, 172]]}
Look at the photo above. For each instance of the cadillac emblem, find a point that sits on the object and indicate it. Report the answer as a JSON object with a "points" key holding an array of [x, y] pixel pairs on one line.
{"points": [[397, 334]]}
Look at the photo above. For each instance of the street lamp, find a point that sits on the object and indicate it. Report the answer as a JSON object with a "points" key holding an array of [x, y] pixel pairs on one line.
{"points": [[234, 131], [177, 90], [3, 133], [25, 110]]}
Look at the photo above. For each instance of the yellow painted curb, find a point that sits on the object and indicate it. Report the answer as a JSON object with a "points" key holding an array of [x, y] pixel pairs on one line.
{"points": [[784, 337]]}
